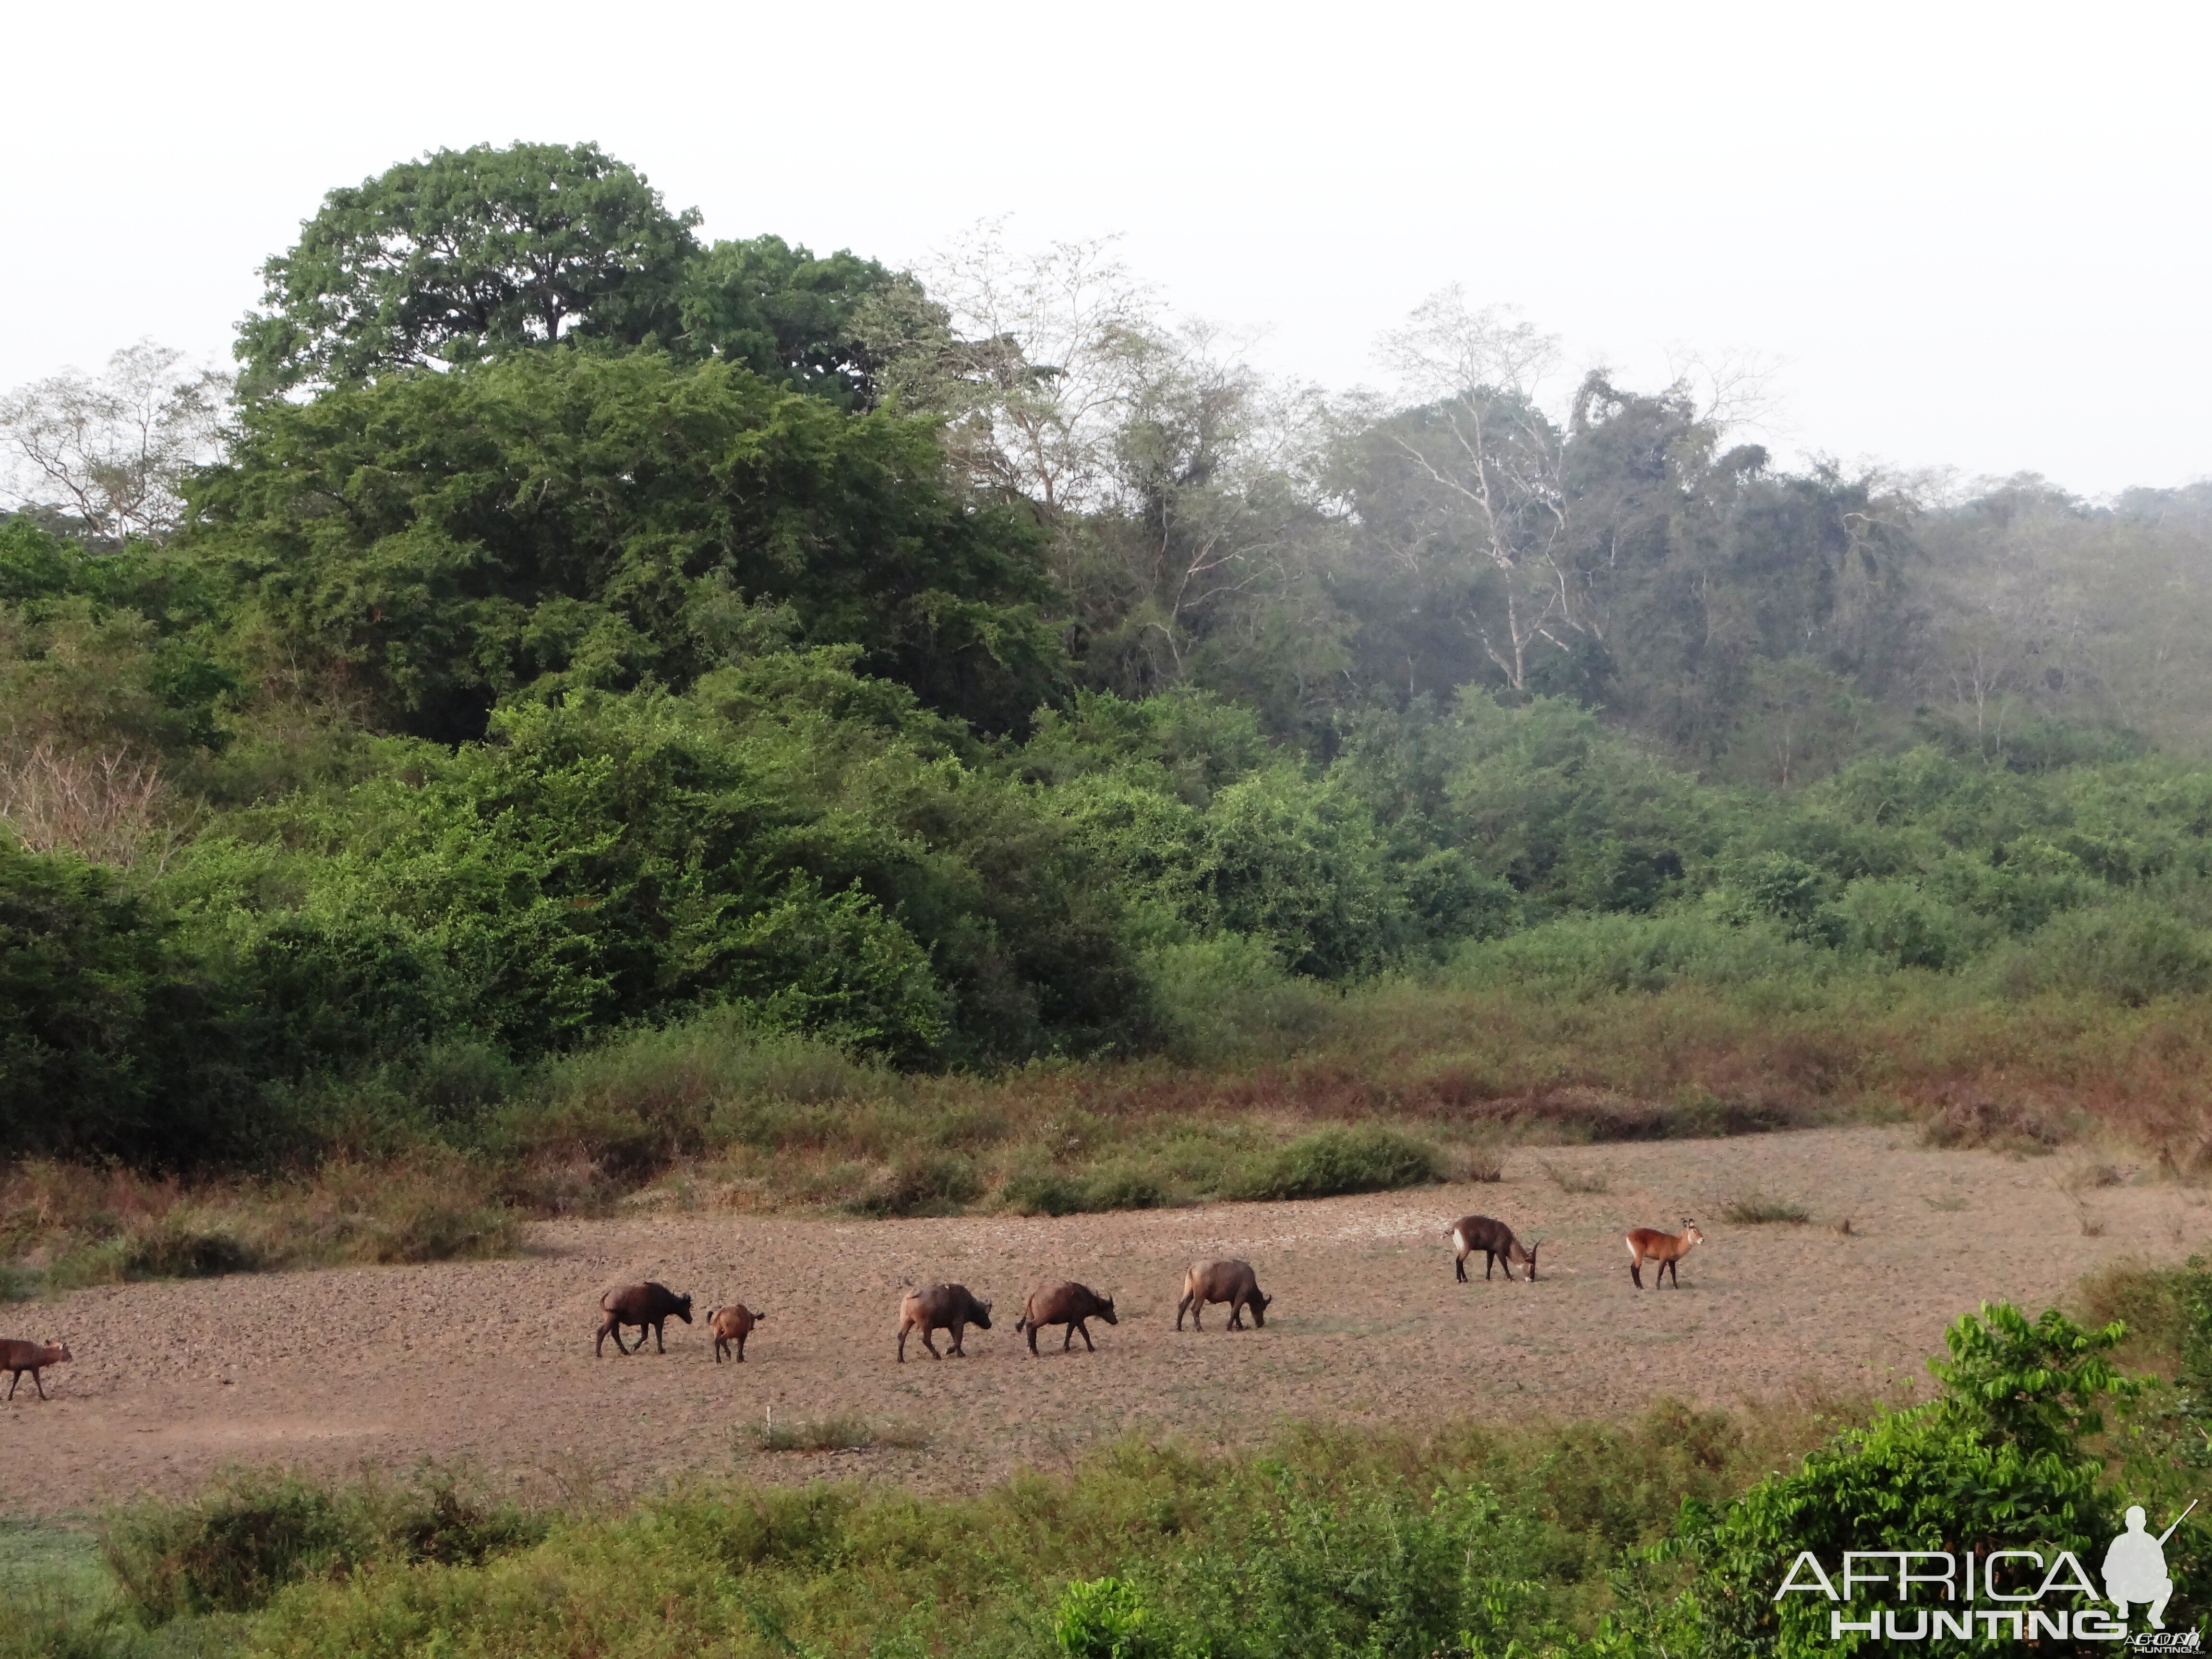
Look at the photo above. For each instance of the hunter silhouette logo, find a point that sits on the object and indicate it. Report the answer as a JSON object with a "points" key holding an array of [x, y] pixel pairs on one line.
{"points": [[2006, 1594], [2134, 1567]]}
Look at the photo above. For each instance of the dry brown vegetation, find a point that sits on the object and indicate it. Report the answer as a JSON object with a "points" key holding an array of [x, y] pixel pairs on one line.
{"points": [[1397, 1083], [65, 1226]]}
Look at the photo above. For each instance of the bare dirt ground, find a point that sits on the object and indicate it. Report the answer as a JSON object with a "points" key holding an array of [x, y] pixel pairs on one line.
{"points": [[492, 1362]]}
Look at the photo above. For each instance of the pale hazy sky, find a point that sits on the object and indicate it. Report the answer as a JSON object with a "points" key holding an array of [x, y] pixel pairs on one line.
{"points": [[1976, 236]]}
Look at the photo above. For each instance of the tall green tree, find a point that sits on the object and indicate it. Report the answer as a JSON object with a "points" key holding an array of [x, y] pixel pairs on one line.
{"points": [[789, 317], [465, 254], [553, 520]]}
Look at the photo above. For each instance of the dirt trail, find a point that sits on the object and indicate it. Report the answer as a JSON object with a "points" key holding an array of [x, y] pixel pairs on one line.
{"points": [[492, 1361]]}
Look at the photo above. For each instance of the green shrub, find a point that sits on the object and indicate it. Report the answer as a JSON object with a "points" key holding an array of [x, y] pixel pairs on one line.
{"points": [[232, 1549], [1045, 1192], [253, 1532], [1228, 996], [1997, 1461], [1101, 1619], [1124, 1187], [924, 1183], [2128, 953], [1363, 1158]]}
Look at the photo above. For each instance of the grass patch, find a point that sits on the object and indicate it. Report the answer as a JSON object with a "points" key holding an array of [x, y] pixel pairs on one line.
{"points": [[1758, 1209], [1578, 1181], [830, 1434], [1478, 1164]]}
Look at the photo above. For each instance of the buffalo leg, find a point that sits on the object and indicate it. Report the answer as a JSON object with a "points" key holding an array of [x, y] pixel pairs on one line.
{"points": [[741, 1345], [929, 1345], [1032, 1334], [38, 1382], [1458, 1268], [1237, 1314], [658, 1346], [1087, 1343], [1635, 1272], [13, 1377]]}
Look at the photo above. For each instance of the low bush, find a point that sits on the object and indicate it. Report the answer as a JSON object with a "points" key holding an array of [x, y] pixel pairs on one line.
{"points": [[1338, 1542], [821, 1434], [86, 1226], [1366, 1157], [253, 1532], [1758, 1209]]}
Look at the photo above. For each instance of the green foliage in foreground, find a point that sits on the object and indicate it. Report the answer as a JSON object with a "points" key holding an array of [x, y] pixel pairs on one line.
{"points": [[1583, 1541]]}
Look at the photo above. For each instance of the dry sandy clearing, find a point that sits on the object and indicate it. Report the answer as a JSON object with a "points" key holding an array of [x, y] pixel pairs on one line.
{"points": [[492, 1361]]}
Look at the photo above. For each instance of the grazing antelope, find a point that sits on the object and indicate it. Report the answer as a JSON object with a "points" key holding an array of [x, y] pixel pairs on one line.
{"points": [[1667, 1249], [1495, 1240]]}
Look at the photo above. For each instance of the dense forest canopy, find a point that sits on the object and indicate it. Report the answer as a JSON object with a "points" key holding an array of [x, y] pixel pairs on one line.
{"points": [[568, 623]]}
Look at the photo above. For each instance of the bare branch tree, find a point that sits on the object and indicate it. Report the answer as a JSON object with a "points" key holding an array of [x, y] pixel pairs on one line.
{"points": [[112, 451], [1491, 460], [108, 806], [1036, 371]]}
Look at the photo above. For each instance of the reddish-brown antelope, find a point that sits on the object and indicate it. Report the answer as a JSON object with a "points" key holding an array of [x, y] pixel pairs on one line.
{"points": [[1667, 1249], [1495, 1240], [16, 1358]]}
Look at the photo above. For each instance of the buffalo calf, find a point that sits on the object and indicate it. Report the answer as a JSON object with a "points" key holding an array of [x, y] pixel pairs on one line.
{"points": [[1068, 1304], [733, 1324]]}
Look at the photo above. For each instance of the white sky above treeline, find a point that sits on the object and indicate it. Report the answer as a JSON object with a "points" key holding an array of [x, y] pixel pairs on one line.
{"points": [[1972, 235]]}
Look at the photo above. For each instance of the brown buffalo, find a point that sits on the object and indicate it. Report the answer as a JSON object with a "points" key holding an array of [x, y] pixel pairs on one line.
{"points": [[940, 1308], [1067, 1304], [640, 1305], [1222, 1281]]}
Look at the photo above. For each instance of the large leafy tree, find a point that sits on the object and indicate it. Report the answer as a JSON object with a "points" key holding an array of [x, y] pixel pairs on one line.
{"points": [[791, 317], [465, 254], [562, 519]]}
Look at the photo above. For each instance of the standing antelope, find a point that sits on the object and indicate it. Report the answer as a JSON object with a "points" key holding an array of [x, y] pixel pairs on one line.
{"points": [[1667, 1249], [1495, 1240]]}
